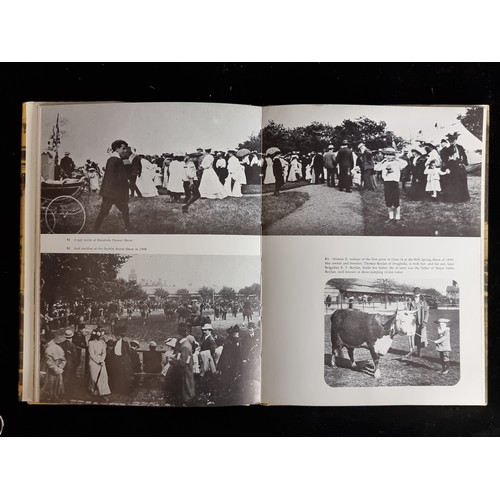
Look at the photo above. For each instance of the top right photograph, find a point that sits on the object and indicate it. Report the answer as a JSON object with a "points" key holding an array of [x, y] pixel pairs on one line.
{"points": [[373, 170]]}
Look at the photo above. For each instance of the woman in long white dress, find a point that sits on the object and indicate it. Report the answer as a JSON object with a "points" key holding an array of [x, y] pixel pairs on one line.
{"points": [[98, 384], [236, 176], [175, 183], [269, 177], [210, 185], [295, 172], [145, 181]]}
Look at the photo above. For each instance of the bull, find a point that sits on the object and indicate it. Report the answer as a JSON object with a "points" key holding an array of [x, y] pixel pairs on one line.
{"points": [[351, 328]]}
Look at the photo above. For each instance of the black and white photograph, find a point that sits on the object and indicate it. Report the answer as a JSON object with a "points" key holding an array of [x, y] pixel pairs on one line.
{"points": [[384, 332], [150, 330], [153, 168], [373, 170]]}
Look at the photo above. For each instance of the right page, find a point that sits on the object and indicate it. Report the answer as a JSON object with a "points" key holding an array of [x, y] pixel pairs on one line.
{"points": [[373, 255]]}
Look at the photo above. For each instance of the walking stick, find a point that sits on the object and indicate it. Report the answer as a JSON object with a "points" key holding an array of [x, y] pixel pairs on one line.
{"points": [[97, 379]]}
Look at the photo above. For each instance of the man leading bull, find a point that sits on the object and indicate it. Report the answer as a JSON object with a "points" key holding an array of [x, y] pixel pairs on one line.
{"points": [[419, 305]]}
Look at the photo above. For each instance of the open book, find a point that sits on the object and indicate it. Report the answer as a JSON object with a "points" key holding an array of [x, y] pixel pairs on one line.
{"points": [[193, 254]]}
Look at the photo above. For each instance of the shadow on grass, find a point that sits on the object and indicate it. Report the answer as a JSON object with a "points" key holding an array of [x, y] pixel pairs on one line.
{"points": [[275, 208]]}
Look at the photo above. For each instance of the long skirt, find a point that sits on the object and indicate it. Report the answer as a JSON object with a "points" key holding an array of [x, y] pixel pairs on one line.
{"points": [[98, 383]]}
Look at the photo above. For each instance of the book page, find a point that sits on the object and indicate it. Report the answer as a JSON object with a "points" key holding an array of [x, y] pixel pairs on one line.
{"points": [[373, 256], [146, 282]]}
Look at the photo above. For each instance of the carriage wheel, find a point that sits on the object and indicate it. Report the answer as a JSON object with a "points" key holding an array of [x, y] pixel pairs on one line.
{"points": [[69, 215], [47, 220]]}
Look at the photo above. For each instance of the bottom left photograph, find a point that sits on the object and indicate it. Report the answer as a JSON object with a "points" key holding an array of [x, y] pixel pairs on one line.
{"points": [[150, 330]]}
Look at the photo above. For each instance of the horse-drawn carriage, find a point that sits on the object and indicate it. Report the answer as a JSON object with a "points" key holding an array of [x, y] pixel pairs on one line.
{"points": [[62, 212]]}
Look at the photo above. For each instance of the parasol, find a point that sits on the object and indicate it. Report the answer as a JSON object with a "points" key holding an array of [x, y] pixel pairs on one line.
{"points": [[242, 152], [273, 150]]}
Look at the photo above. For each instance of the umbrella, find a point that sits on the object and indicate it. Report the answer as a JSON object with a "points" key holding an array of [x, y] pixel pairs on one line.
{"points": [[242, 152], [271, 151]]}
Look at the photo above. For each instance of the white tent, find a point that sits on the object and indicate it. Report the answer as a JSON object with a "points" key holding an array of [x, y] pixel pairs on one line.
{"points": [[468, 140]]}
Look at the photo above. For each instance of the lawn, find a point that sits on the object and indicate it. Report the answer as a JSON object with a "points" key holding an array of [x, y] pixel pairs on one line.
{"points": [[423, 371], [269, 188], [276, 207], [424, 218], [158, 216]]}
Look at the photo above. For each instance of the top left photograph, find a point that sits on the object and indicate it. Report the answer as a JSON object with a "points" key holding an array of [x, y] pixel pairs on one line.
{"points": [[149, 168]]}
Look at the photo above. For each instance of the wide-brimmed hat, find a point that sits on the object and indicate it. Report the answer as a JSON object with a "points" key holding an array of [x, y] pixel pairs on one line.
{"points": [[134, 343], [171, 342], [388, 151], [453, 135], [442, 320], [207, 326], [153, 344]]}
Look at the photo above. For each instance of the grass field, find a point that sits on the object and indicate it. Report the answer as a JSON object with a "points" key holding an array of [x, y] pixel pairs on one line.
{"points": [[423, 371], [276, 207], [158, 216], [424, 218]]}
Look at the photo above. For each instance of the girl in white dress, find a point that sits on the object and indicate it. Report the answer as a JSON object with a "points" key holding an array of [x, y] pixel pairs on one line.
{"points": [[434, 174]]}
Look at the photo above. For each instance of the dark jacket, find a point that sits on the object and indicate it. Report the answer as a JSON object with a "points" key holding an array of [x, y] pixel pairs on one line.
{"points": [[345, 159], [115, 184]]}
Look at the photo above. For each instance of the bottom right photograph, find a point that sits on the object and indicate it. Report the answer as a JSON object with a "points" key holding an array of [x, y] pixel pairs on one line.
{"points": [[386, 332]]}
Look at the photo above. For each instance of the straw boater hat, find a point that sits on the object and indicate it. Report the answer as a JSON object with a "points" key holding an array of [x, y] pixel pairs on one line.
{"points": [[330, 146], [68, 334], [134, 343], [207, 326]]}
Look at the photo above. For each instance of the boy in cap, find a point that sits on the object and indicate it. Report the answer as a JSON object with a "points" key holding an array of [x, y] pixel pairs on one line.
{"points": [[391, 174], [443, 344]]}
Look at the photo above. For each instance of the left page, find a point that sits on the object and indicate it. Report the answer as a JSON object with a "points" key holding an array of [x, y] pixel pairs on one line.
{"points": [[143, 254]]}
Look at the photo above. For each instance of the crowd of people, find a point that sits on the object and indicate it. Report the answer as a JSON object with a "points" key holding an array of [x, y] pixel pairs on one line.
{"points": [[211, 368], [434, 172]]}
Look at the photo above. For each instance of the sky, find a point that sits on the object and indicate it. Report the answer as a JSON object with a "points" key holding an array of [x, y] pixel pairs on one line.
{"points": [[404, 121], [194, 271], [152, 128]]}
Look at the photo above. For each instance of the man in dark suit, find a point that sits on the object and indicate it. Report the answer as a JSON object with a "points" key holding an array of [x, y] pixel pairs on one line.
{"points": [[135, 170], [67, 166], [345, 160], [115, 185], [317, 165]]}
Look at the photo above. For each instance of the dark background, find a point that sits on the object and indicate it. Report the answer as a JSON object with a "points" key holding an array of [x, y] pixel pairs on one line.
{"points": [[258, 84]]}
